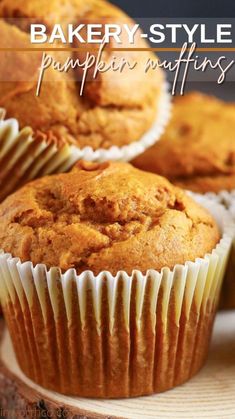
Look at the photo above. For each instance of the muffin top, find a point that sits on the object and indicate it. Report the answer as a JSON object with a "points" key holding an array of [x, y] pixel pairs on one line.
{"points": [[110, 112], [197, 150], [107, 216]]}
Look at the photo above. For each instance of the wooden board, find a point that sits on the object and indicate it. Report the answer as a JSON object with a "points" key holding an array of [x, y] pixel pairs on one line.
{"points": [[211, 394]]}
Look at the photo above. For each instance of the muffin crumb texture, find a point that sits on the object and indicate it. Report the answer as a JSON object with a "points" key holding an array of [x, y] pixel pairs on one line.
{"points": [[107, 216]]}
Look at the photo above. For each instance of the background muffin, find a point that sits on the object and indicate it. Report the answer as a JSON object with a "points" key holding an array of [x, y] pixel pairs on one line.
{"points": [[136, 266], [197, 150], [110, 112], [109, 121]]}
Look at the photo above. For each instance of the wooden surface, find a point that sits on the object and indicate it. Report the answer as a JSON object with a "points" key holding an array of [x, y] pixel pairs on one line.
{"points": [[211, 394]]}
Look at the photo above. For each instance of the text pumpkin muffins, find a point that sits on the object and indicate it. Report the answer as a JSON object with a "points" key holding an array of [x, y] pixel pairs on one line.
{"points": [[113, 280]]}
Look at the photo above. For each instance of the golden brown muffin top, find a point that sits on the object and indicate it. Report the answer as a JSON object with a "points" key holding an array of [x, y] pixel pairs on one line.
{"points": [[197, 150], [110, 112], [107, 216]]}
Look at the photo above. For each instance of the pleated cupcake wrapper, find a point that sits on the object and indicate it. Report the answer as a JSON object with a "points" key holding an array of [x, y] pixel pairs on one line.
{"points": [[113, 336], [22, 158], [227, 199]]}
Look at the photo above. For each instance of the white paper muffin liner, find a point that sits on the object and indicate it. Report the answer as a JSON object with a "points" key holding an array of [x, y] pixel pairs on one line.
{"points": [[22, 158], [227, 199], [114, 336]]}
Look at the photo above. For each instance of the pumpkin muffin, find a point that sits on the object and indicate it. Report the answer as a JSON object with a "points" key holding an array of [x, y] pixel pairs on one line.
{"points": [[110, 112], [110, 279], [107, 120], [105, 217], [197, 149]]}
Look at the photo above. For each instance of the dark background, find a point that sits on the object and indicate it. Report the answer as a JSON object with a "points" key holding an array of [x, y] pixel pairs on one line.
{"points": [[180, 8], [185, 8]]}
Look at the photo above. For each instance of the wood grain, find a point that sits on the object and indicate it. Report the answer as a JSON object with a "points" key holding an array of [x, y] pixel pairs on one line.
{"points": [[211, 394]]}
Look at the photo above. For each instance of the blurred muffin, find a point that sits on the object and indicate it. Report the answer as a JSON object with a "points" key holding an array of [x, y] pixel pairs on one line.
{"points": [[133, 261], [52, 131], [197, 150], [110, 112]]}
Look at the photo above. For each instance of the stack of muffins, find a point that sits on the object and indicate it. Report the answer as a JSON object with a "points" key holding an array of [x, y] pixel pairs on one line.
{"points": [[109, 275]]}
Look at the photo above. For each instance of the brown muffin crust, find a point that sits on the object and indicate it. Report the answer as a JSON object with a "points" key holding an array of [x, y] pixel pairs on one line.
{"points": [[197, 150], [110, 112], [107, 216]]}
